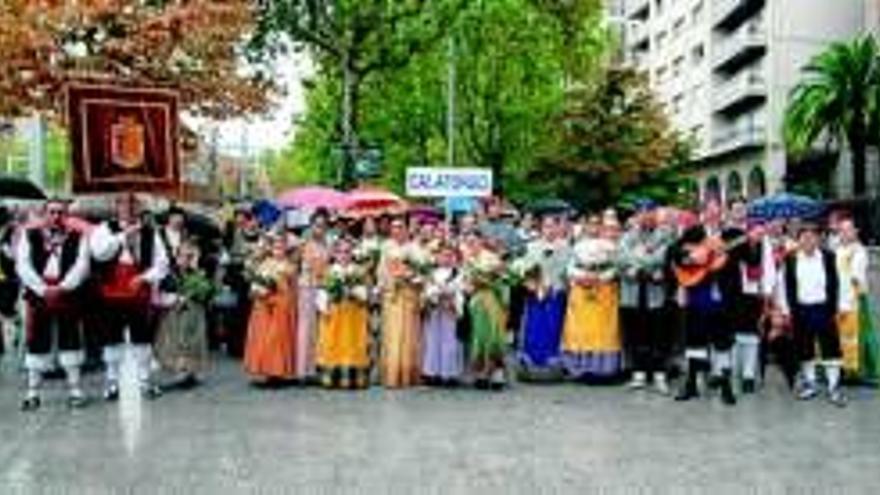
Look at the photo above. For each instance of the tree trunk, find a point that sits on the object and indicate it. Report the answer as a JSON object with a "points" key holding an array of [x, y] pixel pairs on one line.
{"points": [[350, 90], [859, 149]]}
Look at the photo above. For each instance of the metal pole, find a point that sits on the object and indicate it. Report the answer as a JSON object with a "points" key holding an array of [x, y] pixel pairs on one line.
{"points": [[450, 107], [37, 151]]}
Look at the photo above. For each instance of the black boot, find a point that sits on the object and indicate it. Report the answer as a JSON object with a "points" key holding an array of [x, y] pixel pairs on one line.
{"points": [[727, 396], [689, 390]]}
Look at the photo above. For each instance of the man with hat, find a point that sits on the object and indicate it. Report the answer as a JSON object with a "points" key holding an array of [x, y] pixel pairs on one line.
{"points": [[52, 262], [810, 298]]}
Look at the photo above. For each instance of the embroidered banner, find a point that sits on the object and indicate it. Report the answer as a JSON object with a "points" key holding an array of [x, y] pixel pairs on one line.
{"points": [[123, 139]]}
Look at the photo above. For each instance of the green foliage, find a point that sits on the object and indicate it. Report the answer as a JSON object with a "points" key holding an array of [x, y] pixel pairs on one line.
{"points": [[838, 99], [14, 157], [616, 139], [513, 61]]}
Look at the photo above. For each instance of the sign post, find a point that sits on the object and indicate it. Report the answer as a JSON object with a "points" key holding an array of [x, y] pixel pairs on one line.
{"points": [[448, 182]]}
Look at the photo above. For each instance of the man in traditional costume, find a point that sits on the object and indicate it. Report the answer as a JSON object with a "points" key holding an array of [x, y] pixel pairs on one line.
{"points": [[811, 299], [10, 286], [642, 254], [130, 260], [706, 329], [750, 303], [52, 262]]}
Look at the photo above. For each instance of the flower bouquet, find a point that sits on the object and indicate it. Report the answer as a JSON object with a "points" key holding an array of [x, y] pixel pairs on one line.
{"points": [[368, 252], [342, 282]]}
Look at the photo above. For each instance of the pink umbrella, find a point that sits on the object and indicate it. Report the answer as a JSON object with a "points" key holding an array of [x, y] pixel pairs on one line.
{"points": [[372, 201], [312, 197]]}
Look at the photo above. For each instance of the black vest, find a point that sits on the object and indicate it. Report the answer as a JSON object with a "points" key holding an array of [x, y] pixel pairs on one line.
{"points": [[40, 255], [143, 258], [832, 281]]}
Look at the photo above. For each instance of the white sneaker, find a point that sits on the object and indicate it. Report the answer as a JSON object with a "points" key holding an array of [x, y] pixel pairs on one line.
{"points": [[660, 384], [638, 381]]}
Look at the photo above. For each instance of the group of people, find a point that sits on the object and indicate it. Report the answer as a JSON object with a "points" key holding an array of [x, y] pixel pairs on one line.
{"points": [[402, 301]]}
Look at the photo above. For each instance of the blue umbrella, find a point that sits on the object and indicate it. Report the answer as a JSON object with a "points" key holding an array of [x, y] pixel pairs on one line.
{"points": [[266, 212], [460, 204], [785, 206]]}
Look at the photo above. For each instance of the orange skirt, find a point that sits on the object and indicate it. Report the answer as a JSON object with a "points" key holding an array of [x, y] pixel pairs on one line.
{"points": [[270, 349]]}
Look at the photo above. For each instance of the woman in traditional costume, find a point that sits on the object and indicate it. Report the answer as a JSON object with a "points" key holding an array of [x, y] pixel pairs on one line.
{"points": [[343, 337], [858, 340], [270, 347], [442, 356], [544, 312], [488, 317], [182, 339], [314, 258], [400, 282], [591, 342]]}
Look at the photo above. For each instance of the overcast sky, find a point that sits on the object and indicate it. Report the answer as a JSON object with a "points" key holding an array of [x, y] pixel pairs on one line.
{"points": [[273, 130]]}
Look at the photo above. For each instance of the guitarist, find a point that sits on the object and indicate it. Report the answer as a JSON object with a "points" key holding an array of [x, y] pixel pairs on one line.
{"points": [[705, 302]]}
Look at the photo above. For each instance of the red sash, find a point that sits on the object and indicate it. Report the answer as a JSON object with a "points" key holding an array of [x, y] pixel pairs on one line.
{"points": [[117, 287]]}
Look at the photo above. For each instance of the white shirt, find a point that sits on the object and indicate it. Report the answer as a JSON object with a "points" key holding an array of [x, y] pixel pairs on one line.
{"points": [[811, 282], [36, 282], [852, 265]]}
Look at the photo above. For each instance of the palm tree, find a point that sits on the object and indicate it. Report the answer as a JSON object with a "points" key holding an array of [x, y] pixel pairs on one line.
{"points": [[838, 100]]}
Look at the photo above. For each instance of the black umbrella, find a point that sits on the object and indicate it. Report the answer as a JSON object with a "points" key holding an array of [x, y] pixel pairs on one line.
{"points": [[18, 188], [551, 206]]}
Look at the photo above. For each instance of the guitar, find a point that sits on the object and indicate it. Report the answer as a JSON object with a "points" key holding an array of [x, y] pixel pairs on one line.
{"points": [[709, 256]]}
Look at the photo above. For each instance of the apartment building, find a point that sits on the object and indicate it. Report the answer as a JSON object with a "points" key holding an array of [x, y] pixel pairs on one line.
{"points": [[723, 69]]}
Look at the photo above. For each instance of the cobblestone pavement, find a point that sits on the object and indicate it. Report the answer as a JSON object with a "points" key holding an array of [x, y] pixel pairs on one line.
{"points": [[227, 437]]}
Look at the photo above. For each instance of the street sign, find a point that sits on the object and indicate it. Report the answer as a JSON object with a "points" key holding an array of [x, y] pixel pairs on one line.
{"points": [[444, 182]]}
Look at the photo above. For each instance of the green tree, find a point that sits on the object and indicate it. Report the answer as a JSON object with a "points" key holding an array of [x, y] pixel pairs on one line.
{"points": [[512, 60], [839, 100], [615, 137], [355, 38]]}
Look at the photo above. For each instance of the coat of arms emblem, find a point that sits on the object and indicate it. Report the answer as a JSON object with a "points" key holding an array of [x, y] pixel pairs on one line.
{"points": [[127, 143]]}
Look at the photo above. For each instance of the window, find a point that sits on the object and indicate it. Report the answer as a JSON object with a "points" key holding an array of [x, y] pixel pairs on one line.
{"points": [[660, 73], [697, 12], [712, 190], [660, 40], [734, 186], [678, 103], [678, 27], [698, 53], [757, 184], [677, 64]]}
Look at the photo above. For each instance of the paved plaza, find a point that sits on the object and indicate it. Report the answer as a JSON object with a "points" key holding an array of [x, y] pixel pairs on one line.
{"points": [[227, 437]]}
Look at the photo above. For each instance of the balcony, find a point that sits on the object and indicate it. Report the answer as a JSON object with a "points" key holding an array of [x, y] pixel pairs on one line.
{"points": [[638, 35], [728, 14], [744, 46], [741, 92], [638, 9], [750, 134]]}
